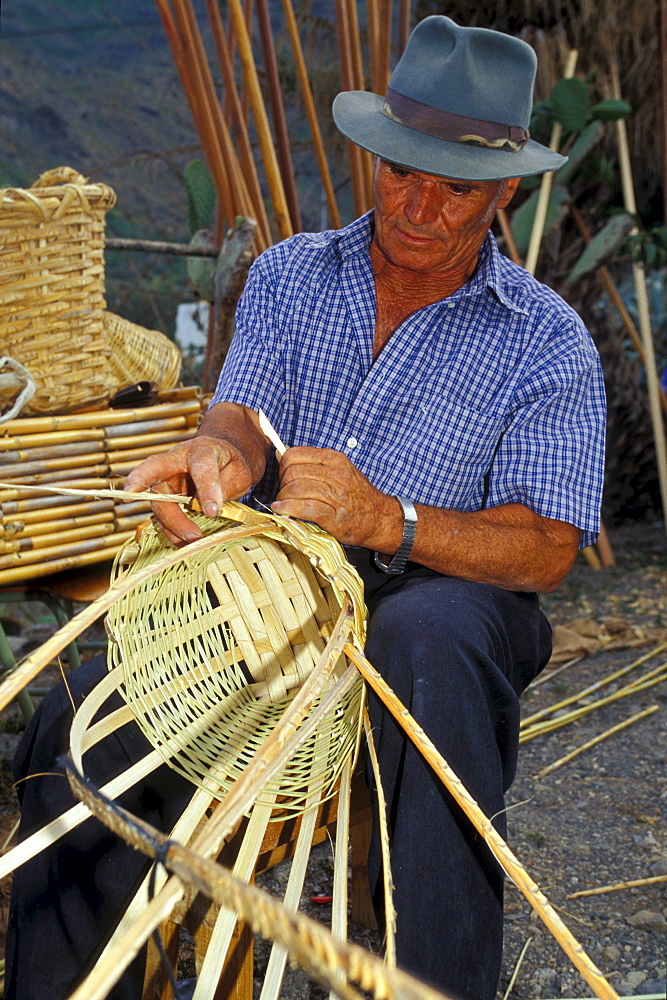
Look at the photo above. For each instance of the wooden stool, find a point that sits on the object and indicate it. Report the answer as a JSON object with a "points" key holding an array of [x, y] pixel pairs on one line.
{"points": [[198, 914]]}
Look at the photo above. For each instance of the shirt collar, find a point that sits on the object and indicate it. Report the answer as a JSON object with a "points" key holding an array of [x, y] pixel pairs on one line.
{"points": [[355, 239]]}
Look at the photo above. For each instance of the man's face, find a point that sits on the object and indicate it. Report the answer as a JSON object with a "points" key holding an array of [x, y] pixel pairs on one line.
{"points": [[427, 223]]}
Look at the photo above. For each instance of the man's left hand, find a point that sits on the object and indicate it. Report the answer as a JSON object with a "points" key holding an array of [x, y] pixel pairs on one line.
{"points": [[323, 486]]}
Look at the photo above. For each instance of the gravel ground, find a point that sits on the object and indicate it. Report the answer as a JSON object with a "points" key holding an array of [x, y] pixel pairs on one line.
{"points": [[597, 820]]}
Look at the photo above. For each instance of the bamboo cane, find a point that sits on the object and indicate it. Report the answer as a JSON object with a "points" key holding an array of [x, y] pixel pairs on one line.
{"points": [[14, 500], [18, 574], [232, 100], [592, 688], [642, 304], [239, 199], [306, 94], [372, 15], [52, 440], [347, 78], [99, 418], [114, 444], [55, 512], [647, 681], [547, 181], [98, 513], [403, 26], [70, 463], [595, 740], [384, 42], [484, 827], [283, 151], [73, 447], [194, 96], [261, 122], [73, 543], [359, 83], [61, 475], [632, 884]]}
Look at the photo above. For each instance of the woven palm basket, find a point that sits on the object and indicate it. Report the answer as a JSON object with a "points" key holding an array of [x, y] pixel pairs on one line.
{"points": [[214, 649], [138, 354], [52, 289]]}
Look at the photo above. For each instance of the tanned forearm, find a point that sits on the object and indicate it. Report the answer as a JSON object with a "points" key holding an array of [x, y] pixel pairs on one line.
{"points": [[508, 546]]}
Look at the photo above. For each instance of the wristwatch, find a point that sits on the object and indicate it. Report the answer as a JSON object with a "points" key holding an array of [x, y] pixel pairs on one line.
{"points": [[398, 562]]}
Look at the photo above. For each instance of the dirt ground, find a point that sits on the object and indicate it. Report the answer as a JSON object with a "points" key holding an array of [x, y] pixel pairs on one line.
{"points": [[597, 820]]}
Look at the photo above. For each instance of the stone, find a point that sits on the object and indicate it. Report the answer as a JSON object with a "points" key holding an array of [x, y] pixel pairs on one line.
{"points": [[648, 920]]}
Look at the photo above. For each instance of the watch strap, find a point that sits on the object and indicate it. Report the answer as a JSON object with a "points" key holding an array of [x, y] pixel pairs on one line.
{"points": [[399, 561]]}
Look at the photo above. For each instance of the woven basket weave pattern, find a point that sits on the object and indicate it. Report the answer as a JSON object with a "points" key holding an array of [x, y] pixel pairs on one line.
{"points": [[52, 288], [217, 646], [137, 354]]}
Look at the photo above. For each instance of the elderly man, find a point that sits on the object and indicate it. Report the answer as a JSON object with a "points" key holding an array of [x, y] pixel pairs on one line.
{"points": [[445, 417]]}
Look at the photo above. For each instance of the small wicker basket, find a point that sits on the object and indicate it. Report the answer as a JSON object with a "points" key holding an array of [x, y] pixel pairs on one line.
{"points": [[138, 354], [52, 289]]}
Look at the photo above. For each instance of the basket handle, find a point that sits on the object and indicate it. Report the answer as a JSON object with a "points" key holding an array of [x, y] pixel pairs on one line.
{"points": [[17, 377], [59, 175]]}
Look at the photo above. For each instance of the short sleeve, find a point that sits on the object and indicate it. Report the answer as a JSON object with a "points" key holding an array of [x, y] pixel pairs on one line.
{"points": [[253, 372], [551, 455]]}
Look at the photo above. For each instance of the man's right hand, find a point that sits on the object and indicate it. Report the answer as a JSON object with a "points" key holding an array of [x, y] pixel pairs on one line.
{"points": [[211, 468]]}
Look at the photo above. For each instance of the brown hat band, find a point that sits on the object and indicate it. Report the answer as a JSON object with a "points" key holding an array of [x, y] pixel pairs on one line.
{"points": [[455, 128]]}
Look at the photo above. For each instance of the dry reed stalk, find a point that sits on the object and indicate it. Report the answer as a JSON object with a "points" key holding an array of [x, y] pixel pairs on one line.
{"points": [[372, 14], [541, 728], [543, 678], [596, 739], [307, 941], [266, 764], [632, 884], [283, 150], [144, 449], [592, 688], [485, 828], [591, 557], [232, 100], [383, 825], [518, 965], [547, 181], [80, 541], [261, 121], [307, 96], [639, 276], [404, 21]]}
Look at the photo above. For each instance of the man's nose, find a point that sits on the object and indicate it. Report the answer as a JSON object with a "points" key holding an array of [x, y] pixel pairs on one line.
{"points": [[423, 205]]}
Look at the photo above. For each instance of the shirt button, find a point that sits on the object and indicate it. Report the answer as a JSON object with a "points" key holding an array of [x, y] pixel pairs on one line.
{"points": [[352, 442]]}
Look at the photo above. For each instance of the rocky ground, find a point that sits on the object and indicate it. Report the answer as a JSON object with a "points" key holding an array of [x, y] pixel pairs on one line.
{"points": [[594, 821]]}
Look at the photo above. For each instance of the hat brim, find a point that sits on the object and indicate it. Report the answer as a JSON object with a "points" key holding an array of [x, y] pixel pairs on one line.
{"points": [[358, 115]]}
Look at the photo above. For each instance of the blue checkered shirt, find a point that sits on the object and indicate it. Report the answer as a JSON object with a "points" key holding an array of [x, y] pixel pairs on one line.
{"points": [[491, 396]]}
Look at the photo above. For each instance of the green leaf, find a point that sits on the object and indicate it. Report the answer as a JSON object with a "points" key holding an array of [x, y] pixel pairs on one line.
{"points": [[584, 143], [611, 111], [524, 217], [201, 196], [571, 104], [603, 244]]}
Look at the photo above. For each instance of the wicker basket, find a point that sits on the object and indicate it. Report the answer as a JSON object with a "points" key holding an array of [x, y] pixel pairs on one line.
{"points": [[138, 354], [52, 289]]}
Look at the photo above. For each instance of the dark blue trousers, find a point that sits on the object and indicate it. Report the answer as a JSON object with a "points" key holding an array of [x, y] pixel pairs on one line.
{"points": [[458, 654]]}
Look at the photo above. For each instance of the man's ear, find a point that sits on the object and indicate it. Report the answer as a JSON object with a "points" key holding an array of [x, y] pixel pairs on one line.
{"points": [[508, 191]]}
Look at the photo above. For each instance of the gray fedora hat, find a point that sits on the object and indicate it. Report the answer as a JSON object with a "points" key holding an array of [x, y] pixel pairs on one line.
{"points": [[458, 105]]}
